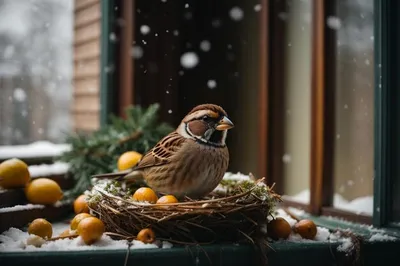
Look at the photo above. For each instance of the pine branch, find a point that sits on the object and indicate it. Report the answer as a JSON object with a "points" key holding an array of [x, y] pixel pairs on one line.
{"points": [[98, 152]]}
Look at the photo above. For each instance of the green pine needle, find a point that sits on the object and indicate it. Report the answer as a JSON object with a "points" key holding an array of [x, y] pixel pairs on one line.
{"points": [[98, 152]]}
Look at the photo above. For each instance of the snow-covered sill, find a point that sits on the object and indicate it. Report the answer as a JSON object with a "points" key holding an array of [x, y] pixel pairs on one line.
{"points": [[38, 149]]}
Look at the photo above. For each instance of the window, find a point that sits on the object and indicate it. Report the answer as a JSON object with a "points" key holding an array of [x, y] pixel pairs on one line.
{"points": [[35, 71], [323, 128]]}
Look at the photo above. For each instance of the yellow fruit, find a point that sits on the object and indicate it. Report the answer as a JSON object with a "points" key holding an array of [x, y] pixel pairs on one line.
{"points": [[146, 236], [43, 191], [91, 229], [167, 199], [128, 159], [279, 228], [14, 173], [145, 194], [77, 219], [80, 205], [41, 227], [306, 228]]}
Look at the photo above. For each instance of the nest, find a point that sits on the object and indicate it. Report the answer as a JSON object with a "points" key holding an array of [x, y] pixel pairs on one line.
{"points": [[236, 213]]}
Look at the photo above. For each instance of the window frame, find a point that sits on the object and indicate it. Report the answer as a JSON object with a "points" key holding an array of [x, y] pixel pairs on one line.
{"points": [[114, 96]]}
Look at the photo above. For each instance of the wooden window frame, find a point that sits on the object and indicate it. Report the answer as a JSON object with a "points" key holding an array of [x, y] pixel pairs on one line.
{"points": [[116, 95], [322, 112]]}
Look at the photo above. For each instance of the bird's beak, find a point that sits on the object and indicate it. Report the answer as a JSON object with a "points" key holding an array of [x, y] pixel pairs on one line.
{"points": [[224, 124]]}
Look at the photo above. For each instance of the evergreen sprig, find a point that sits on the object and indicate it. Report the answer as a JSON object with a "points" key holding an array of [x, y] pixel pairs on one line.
{"points": [[98, 152]]}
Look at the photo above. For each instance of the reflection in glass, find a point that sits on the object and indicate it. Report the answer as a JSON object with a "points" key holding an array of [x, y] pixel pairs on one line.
{"points": [[354, 106], [296, 157]]}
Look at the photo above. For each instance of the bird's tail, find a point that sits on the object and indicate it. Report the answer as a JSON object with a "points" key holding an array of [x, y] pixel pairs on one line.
{"points": [[128, 175]]}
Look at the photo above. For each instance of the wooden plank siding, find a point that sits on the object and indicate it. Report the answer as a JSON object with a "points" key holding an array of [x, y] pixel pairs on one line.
{"points": [[87, 34]]}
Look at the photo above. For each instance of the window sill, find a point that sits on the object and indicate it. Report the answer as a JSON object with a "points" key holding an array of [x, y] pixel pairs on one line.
{"points": [[282, 254]]}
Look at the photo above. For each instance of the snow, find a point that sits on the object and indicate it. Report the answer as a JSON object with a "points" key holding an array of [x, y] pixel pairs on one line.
{"points": [[33, 150], [19, 95], [236, 13], [381, 237], [14, 240], [211, 84], [189, 60], [205, 46], [333, 22], [238, 176], [257, 7], [346, 245], [144, 29], [360, 205], [57, 168], [137, 52], [21, 208]]}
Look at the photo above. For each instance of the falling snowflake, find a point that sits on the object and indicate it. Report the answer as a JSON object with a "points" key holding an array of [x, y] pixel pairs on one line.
{"points": [[236, 13], [205, 46], [211, 84], [144, 29], [257, 7], [19, 95], [189, 60], [137, 52], [333, 22]]}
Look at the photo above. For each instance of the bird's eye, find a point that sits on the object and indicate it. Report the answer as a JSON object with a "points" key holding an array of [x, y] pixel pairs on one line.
{"points": [[205, 118]]}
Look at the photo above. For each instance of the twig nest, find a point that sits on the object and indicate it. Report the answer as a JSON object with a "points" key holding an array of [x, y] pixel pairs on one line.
{"points": [[306, 229], [146, 236], [278, 228]]}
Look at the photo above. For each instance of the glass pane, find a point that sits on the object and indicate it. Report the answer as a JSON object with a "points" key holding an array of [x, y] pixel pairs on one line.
{"points": [[354, 106], [297, 93], [35, 70]]}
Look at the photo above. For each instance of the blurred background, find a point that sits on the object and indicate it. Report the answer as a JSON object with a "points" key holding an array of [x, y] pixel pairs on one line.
{"points": [[255, 58]]}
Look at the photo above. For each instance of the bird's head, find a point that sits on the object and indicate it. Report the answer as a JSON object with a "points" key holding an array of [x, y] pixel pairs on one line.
{"points": [[206, 123]]}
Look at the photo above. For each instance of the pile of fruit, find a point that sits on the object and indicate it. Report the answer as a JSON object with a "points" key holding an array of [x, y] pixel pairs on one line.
{"points": [[14, 174], [279, 228]]}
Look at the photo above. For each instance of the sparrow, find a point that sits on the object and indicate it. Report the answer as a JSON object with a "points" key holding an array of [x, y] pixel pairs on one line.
{"points": [[190, 161]]}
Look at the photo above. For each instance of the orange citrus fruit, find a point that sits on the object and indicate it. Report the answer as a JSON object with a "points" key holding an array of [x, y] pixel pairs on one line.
{"points": [[146, 236], [77, 219], [145, 194], [279, 228], [167, 199], [80, 205], [128, 160], [40, 227], [306, 228], [90, 230], [14, 173], [43, 191]]}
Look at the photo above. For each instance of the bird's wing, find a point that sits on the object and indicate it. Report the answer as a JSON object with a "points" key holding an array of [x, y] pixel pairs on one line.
{"points": [[162, 152], [159, 155]]}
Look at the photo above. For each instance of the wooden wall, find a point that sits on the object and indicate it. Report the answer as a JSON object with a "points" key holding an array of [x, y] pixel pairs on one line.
{"points": [[87, 31]]}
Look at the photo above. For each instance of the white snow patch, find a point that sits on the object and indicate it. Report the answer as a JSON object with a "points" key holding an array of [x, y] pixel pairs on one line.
{"points": [[21, 208], [33, 150], [381, 237], [15, 240], [57, 168], [189, 60], [346, 245]]}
